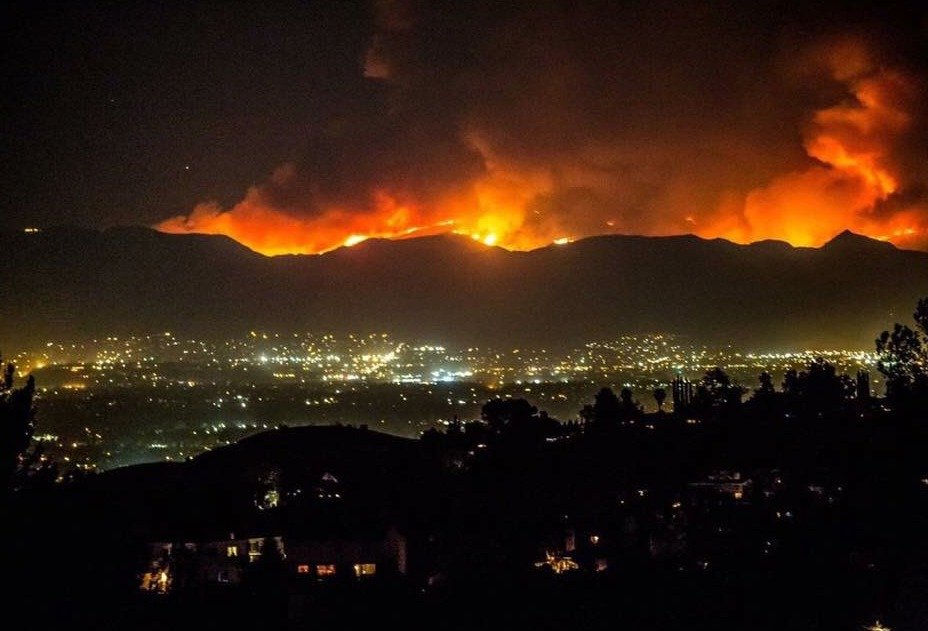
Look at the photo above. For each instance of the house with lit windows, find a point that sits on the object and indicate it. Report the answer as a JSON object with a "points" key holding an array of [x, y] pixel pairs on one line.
{"points": [[345, 552], [325, 496], [722, 484], [359, 555]]}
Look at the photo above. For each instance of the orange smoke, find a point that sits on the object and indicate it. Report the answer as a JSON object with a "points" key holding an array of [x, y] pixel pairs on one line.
{"points": [[854, 182], [266, 229], [853, 143], [490, 209]]}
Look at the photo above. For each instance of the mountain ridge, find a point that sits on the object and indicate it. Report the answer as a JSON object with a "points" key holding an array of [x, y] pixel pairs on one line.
{"points": [[75, 284]]}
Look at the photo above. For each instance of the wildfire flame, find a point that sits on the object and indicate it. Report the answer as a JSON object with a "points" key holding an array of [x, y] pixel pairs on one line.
{"points": [[489, 210], [852, 182], [855, 172]]}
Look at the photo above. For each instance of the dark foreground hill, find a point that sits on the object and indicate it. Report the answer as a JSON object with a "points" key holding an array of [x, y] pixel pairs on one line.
{"points": [[824, 530], [221, 489], [71, 283]]}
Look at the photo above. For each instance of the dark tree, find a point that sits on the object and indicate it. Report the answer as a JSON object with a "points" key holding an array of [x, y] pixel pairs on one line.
{"points": [[606, 407], [630, 408], [716, 393], [903, 360], [767, 402], [17, 424], [660, 395], [791, 383], [818, 390], [500, 413], [587, 414], [766, 383], [266, 580]]}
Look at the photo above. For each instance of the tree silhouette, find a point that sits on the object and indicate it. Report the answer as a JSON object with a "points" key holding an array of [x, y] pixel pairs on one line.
{"points": [[903, 360], [606, 407], [631, 409], [660, 395], [767, 402], [818, 390], [716, 393], [791, 383], [17, 425], [266, 580], [766, 383], [500, 413], [587, 414]]}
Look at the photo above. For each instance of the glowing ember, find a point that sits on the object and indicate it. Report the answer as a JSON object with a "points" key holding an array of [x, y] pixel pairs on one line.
{"points": [[354, 240]]}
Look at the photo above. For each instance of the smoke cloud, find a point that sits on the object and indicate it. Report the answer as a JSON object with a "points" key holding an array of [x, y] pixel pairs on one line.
{"points": [[523, 124]]}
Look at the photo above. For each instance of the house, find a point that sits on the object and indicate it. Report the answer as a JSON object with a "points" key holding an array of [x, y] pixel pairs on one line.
{"points": [[334, 551], [723, 484], [357, 554]]}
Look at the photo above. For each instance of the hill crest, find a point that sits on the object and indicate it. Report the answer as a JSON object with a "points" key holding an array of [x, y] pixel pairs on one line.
{"points": [[75, 284]]}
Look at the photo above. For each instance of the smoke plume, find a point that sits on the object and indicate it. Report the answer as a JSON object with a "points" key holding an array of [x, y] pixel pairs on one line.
{"points": [[523, 124]]}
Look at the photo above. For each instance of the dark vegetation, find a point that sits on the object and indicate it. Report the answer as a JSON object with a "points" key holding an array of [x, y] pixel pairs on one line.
{"points": [[654, 510]]}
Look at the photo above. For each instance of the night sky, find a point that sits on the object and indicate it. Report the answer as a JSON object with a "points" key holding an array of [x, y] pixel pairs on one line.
{"points": [[299, 127]]}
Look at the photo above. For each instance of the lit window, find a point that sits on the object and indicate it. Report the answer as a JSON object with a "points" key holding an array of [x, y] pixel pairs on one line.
{"points": [[302, 569], [326, 569], [365, 569], [232, 551]]}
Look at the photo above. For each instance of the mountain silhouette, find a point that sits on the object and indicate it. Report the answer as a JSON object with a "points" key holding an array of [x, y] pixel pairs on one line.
{"points": [[848, 241], [68, 283]]}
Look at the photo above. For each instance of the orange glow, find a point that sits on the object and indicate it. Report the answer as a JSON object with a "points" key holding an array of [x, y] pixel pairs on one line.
{"points": [[490, 210], [854, 180], [856, 172], [354, 240]]}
